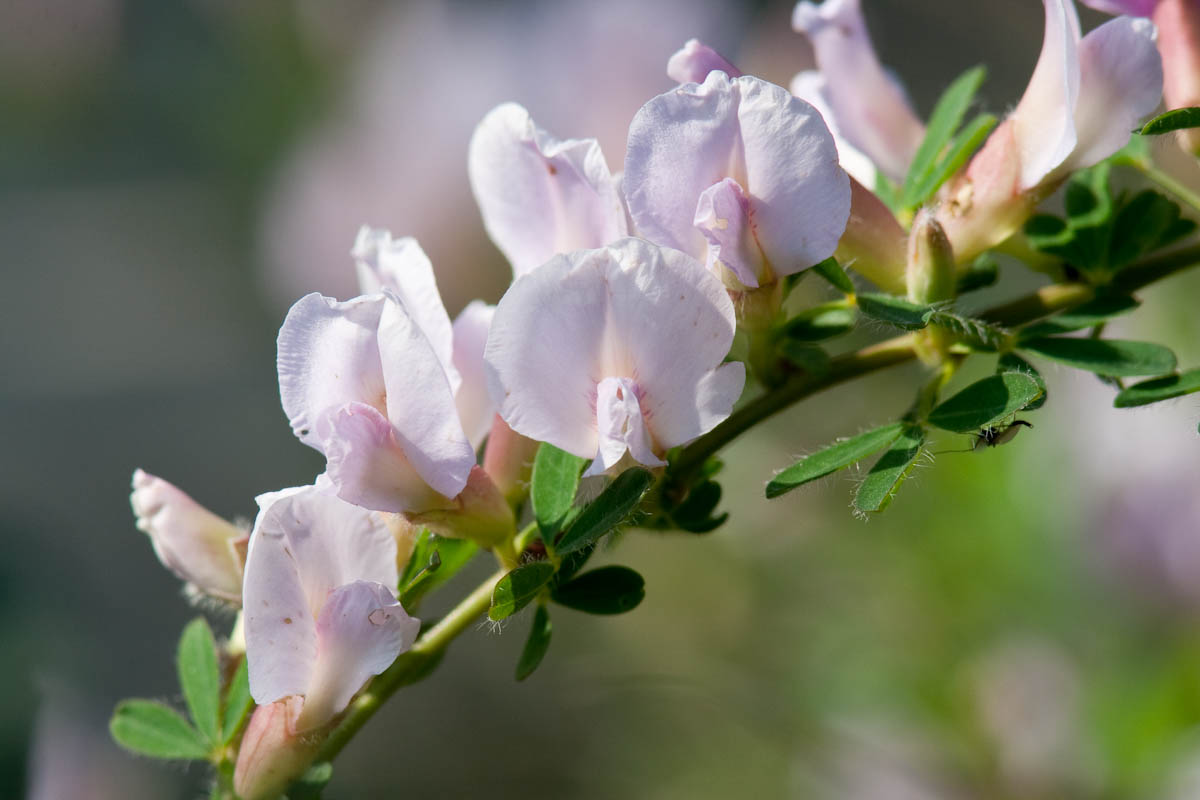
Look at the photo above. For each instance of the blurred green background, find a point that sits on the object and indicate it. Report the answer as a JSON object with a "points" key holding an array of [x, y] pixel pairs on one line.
{"points": [[1022, 623]]}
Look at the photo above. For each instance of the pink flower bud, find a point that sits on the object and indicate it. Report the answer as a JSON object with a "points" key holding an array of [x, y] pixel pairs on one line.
{"points": [[272, 753], [873, 244], [508, 459], [1178, 24]]}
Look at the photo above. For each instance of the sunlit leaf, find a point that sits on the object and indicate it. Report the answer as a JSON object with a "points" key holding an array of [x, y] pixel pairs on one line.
{"points": [[520, 586], [947, 115], [1105, 356], [878, 489], [985, 402], [837, 456], [1158, 389], [237, 702], [1176, 119], [821, 322], [196, 662], [553, 486], [153, 729], [618, 500], [830, 270], [894, 310]]}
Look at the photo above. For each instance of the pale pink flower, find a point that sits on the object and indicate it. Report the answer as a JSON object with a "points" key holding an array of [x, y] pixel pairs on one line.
{"points": [[692, 63]]}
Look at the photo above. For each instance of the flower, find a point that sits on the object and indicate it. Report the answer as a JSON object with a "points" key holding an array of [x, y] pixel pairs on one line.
{"points": [[870, 107], [1085, 95], [692, 63], [539, 195], [191, 541], [739, 174], [614, 350], [321, 615], [812, 87]]}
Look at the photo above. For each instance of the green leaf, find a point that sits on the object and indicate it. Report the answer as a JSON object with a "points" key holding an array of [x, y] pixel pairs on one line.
{"points": [[961, 148], [887, 191], [943, 122], [876, 491], [821, 322], [536, 645], [985, 402], [152, 729], [1105, 356], [196, 661], [1140, 225], [830, 270], [444, 558], [1176, 119], [695, 513], [310, 785], [516, 589], [1088, 315], [1159, 389], [808, 357], [981, 273], [1011, 362], [894, 311], [238, 702], [607, 590], [553, 485], [975, 332], [837, 456], [618, 500]]}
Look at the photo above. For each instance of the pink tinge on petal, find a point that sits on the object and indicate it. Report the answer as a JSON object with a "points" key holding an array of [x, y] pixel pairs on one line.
{"points": [[812, 87], [621, 426], [723, 216], [871, 108], [874, 242], [1178, 23], [360, 632], [692, 63], [368, 464], [271, 753], [1134, 8], [475, 409], [508, 458]]}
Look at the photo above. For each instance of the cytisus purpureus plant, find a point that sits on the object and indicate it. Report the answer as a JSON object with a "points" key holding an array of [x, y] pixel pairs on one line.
{"points": [[649, 323]]}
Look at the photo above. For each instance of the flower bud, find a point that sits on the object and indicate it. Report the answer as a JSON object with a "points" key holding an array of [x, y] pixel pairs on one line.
{"points": [[191, 541], [873, 244], [1178, 24], [508, 460], [930, 275], [479, 513], [272, 754]]}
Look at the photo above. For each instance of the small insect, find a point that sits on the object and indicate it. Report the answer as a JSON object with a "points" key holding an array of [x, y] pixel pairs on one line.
{"points": [[996, 435]]}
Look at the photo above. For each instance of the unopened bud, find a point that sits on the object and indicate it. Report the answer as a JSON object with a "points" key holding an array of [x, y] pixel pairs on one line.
{"points": [[1178, 23], [508, 460], [201, 548], [272, 754], [873, 243], [930, 274]]}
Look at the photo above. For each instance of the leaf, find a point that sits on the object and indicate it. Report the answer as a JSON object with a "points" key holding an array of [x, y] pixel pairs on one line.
{"points": [[821, 322], [237, 702], [830, 270], [607, 590], [1159, 389], [1176, 119], [516, 589], [152, 729], [310, 785], [446, 557], [695, 513], [808, 357], [884, 479], [618, 500], [975, 332], [1139, 226], [1011, 362], [196, 662], [943, 122], [1088, 315], [960, 149], [986, 401], [536, 645], [894, 311], [553, 485], [1105, 356], [837, 456], [981, 273]]}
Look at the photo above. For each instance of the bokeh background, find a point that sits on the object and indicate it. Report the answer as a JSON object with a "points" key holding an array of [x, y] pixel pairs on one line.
{"points": [[1021, 623]]}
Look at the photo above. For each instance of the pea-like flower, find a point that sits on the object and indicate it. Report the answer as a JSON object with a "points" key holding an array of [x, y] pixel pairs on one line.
{"points": [[540, 195], [692, 63], [614, 350], [200, 547], [739, 174], [321, 615]]}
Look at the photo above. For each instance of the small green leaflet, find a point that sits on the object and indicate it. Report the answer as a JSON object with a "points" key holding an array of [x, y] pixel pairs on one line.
{"points": [[981, 273], [808, 357], [920, 182], [516, 589], [553, 485], [1159, 389], [536, 645], [237, 703], [1174, 120], [196, 662], [618, 500], [958, 152], [310, 785], [985, 402], [152, 729], [1088, 315], [821, 322], [695, 513], [435, 560], [837, 456], [830, 270], [895, 311], [1011, 362], [974, 332], [607, 590], [876, 491], [1105, 356]]}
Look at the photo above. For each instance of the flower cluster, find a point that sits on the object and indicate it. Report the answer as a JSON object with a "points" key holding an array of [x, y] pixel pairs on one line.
{"points": [[613, 342]]}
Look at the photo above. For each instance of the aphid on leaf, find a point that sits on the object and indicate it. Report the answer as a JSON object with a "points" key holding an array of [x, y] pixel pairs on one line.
{"points": [[996, 435]]}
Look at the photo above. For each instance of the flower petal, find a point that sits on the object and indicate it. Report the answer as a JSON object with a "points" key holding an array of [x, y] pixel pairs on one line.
{"points": [[328, 356], [420, 404], [191, 541], [775, 146], [811, 87], [692, 63], [539, 195], [1043, 122], [360, 632], [401, 267], [475, 408], [1136, 8], [723, 216], [873, 113], [1121, 81], [621, 426]]}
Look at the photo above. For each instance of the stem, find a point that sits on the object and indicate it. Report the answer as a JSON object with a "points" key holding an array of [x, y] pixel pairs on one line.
{"points": [[410, 666], [1170, 184]]}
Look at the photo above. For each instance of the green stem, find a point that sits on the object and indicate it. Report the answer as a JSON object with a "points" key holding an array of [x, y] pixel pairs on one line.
{"points": [[411, 666], [1170, 184]]}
